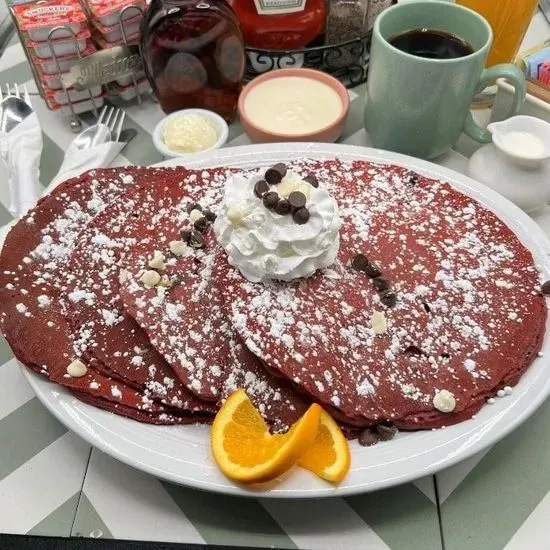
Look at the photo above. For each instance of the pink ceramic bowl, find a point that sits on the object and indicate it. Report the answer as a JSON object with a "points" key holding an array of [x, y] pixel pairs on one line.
{"points": [[328, 133]]}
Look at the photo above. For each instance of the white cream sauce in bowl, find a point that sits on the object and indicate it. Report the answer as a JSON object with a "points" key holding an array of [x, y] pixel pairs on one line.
{"points": [[294, 105]]}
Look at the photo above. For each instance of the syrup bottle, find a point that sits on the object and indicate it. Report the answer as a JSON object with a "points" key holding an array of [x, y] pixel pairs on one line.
{"points": [[193, 55]]}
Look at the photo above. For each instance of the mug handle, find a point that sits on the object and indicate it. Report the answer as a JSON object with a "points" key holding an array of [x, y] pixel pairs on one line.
{"points": [[510, 72]]}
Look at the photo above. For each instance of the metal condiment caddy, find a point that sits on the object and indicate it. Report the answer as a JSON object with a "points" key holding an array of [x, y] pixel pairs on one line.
{"points": [[98, 69]]}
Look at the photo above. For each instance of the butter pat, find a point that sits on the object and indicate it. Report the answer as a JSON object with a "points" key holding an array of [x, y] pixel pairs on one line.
{"points": [[189, 134]]}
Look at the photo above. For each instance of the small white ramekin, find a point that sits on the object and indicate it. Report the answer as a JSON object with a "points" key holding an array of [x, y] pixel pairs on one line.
{"points": [[216, 120]]}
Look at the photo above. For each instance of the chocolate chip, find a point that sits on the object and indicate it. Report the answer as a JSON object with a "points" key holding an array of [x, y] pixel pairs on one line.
{"points": [[196, 240], [413, 350], [388, 298], [312, 180], [373, 270], [283, 207], [261, 188], [301, 216], [360, 262], [367, 438], [185, 235], [275, 174], [546, 288], [297, 200], [412, 178], [386, 431], [194, 206], [270, 199], [210, 216], [426, 307], [201, 224], [380, 284]]}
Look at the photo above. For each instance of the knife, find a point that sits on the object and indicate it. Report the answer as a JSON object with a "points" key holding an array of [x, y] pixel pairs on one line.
{"points": [[127, 135]]}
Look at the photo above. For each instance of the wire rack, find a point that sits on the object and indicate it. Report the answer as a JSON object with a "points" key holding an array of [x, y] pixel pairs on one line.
{"points": [[347, 61]]}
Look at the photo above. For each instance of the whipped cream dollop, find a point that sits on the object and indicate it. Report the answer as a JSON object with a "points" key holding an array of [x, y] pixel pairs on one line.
{"points": [[264, 245]]}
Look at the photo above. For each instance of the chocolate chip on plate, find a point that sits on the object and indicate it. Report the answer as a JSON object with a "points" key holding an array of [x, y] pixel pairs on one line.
{"points": [[194, 206], [210, 216], [412, 178], [546, 288], [360, 262], [201, 224], [297, 200], [380, 284], [367, 438], [312, 180], [388, 298], [373, 270], [301, 215], [196, 240], [386, 431], [185, 235], [275, 174], [283, 207], [270, 199], [261, 188]]}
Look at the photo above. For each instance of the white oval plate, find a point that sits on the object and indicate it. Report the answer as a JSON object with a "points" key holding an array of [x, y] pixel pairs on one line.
{"points": [[181, 454]]}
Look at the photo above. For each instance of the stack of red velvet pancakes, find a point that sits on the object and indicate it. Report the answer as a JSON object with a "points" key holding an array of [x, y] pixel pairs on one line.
{"points": [[148, 293]]}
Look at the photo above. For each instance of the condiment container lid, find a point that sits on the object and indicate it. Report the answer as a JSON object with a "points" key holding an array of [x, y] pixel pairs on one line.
{"points": [[104, 29], [105, 44], [82, 35], [101, 8], [48, 14], [39, 62]]}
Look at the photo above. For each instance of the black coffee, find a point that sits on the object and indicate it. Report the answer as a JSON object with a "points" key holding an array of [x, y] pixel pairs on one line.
{"points": [[432, 44]]}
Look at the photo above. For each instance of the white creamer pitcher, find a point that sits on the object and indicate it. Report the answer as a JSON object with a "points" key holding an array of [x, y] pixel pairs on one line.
{"points": [[516, 164]]}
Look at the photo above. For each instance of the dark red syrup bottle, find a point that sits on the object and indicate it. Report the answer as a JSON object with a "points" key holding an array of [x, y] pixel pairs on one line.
{"points": [[193, 55]]}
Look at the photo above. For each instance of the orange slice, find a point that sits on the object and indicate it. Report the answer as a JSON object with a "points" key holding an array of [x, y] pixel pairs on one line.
{"points": [[329, 456], [244, 449]]}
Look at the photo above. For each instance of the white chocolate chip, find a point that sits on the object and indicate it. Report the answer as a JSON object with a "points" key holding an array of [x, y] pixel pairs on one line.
{"points": [[444, 401], [158, 260], [195, 215], [178, 248], [165, 281], [235, 215], [378, 322], [150, 279], [288, 186], [76, 369]]}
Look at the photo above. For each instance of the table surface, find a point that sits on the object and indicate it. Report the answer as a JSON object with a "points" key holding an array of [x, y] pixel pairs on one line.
{"points": [[53, 483]]}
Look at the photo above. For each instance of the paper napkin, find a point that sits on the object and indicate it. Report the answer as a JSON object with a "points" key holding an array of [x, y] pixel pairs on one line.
{"points": [[77, 162], [21, 149]]}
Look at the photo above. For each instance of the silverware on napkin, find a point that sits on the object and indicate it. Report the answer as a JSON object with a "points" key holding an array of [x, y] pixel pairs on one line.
{"points": [[97, 146], [21, 147]]}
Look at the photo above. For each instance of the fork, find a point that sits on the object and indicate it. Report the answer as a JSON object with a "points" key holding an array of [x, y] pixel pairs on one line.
{"points": [[113, 118], [108, 128], [16, 93]]}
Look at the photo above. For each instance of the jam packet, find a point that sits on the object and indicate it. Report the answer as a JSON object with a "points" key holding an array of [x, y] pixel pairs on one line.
{"points": [[36, 20]]}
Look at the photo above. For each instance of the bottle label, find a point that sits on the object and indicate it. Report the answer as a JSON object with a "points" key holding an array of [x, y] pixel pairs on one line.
{"points": [[276, 7]]}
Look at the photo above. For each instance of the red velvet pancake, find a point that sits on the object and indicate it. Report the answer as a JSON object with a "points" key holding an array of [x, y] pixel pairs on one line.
{"points": [[32, 276], [185, 322], [469, 317], [108, 338]]}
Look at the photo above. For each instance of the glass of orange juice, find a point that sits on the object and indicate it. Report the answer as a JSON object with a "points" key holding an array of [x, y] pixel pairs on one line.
{"points": [[509, 20]]}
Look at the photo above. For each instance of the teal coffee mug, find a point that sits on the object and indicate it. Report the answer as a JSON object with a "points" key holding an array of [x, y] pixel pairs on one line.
{"points": [[420, 105]]}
